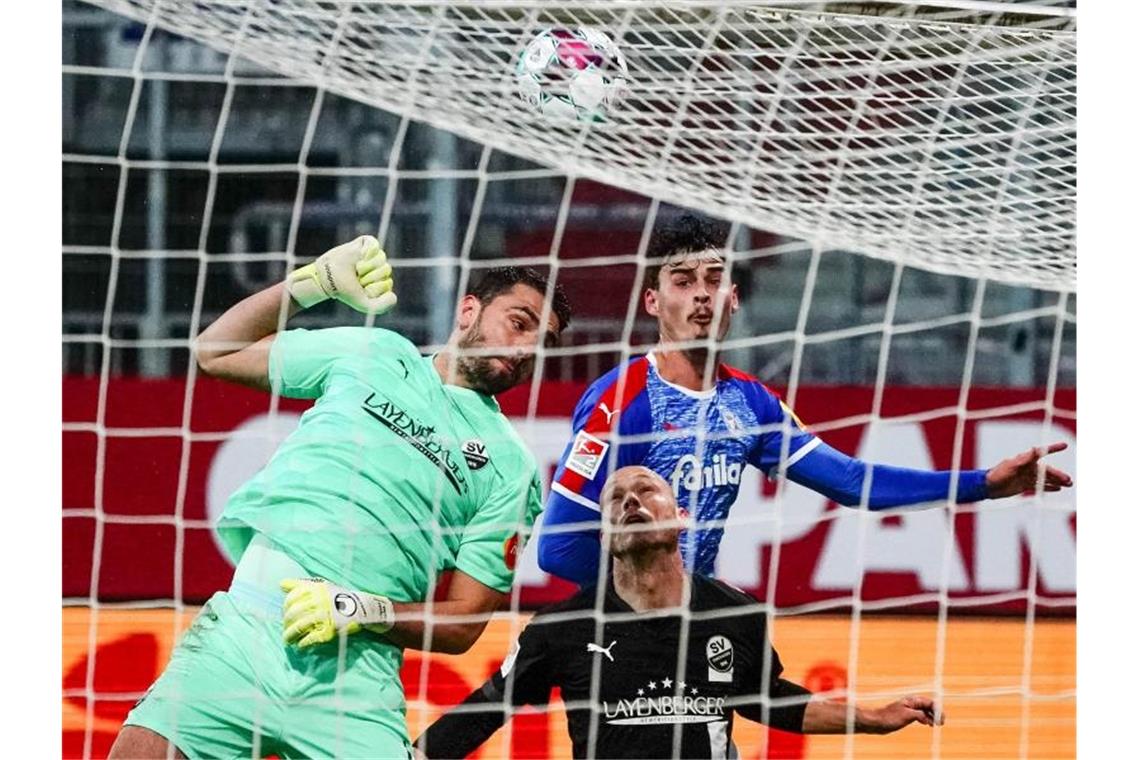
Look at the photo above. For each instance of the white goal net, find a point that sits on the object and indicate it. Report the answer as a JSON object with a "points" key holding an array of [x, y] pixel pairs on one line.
{"points": [[932, 141], [900, 182]]}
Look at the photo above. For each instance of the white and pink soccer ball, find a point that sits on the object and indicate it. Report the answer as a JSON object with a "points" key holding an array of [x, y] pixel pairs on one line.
{"points": [[572, 74]]}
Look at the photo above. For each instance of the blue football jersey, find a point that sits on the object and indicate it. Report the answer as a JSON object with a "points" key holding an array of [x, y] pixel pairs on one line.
{"points": [[698, 441]]}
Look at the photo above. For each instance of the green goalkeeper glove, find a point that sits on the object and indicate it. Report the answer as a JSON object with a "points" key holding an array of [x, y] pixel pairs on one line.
{"points": [[316, 611], [355, 273]]}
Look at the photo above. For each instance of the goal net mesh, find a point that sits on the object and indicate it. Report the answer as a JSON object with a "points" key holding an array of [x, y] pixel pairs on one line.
{"points": [[900, 179], [938, 143]]}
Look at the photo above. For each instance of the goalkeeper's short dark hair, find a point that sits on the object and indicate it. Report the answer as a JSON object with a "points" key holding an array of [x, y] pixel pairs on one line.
{"points": [[499, 280], [688, 233]]}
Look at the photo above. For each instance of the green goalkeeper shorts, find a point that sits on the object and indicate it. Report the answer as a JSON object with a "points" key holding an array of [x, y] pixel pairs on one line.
{"points": [[233, 689]]}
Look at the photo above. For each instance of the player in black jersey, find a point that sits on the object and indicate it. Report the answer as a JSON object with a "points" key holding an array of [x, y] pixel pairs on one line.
{"points": [[627, 693]]}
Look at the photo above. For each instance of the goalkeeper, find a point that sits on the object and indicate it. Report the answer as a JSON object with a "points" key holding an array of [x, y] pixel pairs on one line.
{"points": [[403, 468], [698, 423], [627, 690]]}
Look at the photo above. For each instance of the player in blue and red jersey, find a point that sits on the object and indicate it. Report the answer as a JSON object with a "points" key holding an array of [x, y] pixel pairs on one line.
{"points": [[698, 423]]}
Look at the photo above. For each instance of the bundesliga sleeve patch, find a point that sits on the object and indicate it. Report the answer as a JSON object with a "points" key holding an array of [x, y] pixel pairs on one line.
{"points": [[587, 455]]}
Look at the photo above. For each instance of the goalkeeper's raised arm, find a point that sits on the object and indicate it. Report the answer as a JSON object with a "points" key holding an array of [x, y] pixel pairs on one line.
{"points": [[403, 467], [236, 346]]}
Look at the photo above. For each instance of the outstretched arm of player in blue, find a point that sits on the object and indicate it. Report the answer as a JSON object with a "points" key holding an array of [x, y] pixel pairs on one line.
{"points": [[841, 478], [566, 553]]}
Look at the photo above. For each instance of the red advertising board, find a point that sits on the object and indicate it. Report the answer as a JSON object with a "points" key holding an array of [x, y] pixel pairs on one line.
{"points": [[148, 463], [982, 665]]}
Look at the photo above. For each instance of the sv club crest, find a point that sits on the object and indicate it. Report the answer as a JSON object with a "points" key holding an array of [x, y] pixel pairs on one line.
{"points": [[475, 452], [718, 650]]}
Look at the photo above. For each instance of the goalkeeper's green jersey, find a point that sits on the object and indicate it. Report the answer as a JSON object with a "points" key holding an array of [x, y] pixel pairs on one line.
{"points": [[392, 476]]}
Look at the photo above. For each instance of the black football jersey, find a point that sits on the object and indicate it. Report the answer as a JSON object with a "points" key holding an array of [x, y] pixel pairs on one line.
{"points": [[627, 692]]}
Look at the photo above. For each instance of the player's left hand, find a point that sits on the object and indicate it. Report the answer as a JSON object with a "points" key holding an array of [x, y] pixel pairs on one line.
{"points": [[1025, 473], [316, 611], [356, 273], [905, 711]]}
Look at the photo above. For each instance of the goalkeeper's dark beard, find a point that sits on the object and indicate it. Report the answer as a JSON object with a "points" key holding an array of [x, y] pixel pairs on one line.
{"points": [[480, 372]]}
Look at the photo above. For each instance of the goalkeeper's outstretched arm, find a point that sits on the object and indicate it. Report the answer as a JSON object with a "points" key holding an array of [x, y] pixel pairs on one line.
{"points": [[451, 625], [316, 612], [236, 346]]}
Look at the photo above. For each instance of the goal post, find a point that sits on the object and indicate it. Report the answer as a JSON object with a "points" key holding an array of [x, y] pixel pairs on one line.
{"points": [[900, 182]]}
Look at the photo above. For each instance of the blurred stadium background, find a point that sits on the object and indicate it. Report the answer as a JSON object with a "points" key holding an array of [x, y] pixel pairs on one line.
{"points": [[188, 183]]}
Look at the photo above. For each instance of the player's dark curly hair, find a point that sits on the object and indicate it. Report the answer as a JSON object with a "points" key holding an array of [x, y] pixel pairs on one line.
{"points": [[499, 280], [688, 233]]}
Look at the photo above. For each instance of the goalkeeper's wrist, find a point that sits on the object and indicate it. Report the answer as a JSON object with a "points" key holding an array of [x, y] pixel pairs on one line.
{"points": [[376, 613], [304, 286]]}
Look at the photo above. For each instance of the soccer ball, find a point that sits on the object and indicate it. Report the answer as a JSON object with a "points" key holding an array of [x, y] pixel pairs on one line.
{"points": [[571, 74]]}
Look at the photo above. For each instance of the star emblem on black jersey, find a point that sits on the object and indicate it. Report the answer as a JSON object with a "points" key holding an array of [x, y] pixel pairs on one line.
{"points": [[667, 683]]}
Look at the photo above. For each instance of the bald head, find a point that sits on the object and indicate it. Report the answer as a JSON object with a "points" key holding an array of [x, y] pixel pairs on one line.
{"points": [[639, 511], [626, 477]]}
